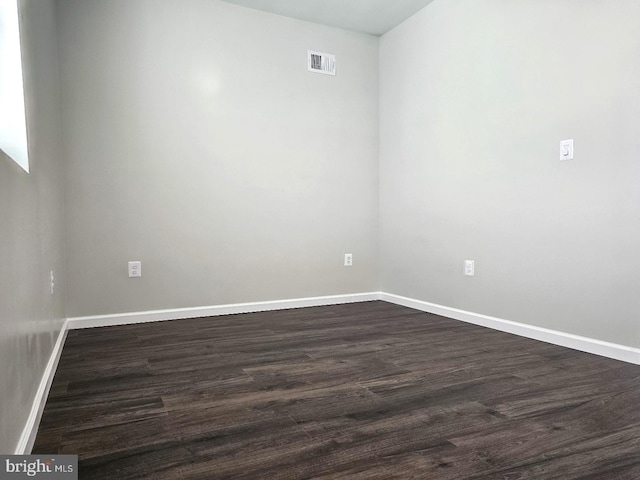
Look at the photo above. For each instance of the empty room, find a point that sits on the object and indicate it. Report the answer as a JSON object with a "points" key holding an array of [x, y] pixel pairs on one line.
{"points": [[320, 239]]}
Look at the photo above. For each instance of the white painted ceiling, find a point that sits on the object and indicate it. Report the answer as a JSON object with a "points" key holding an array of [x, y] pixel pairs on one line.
{"points": [[374, 17]]}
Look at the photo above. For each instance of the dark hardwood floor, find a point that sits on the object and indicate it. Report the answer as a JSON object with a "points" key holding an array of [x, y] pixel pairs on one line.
{"points": [[359, 391]]}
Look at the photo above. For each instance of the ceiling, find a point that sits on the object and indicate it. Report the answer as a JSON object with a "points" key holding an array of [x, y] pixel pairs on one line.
{"points": [[374, 17]]}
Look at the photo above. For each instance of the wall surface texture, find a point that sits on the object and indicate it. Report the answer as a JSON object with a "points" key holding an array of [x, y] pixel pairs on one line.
{"points": [[474, 100], [31, 230], [198, 143]]}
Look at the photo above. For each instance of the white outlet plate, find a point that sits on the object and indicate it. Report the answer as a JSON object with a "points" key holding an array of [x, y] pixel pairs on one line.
{"points": [[52, 281], [348, 259], [566, 149], [469, 268], [135, 269]]}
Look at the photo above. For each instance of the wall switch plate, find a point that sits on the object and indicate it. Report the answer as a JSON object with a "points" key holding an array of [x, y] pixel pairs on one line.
{"points": [[566, 149], [348, 259], [135, 269], [469, 268], [52, 281]]}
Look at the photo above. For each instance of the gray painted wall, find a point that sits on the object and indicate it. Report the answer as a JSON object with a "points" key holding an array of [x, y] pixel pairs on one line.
{"points": [[474, 100], [31, 230], [197, 142]]}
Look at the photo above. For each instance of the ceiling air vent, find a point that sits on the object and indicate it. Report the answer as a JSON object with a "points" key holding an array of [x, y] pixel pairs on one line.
{"points": [[321, 63]]}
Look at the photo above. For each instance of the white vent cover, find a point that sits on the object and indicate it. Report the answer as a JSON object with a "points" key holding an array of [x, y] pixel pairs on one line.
{"points": [[321, 62]]}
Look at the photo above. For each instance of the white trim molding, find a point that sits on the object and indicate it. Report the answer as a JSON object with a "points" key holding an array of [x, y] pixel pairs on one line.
{"points": [[28, 437], [575, 342], [563, 339], [216, 310]]}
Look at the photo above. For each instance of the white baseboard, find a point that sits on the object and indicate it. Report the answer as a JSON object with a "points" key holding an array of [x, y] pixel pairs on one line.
{"points": [[28, 437], [576, 342], [212, 311]]}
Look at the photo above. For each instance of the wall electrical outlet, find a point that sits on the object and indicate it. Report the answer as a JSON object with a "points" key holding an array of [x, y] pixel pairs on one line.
{"points": [[135, 269], [348, 259], [52, 281], [469, 268]]}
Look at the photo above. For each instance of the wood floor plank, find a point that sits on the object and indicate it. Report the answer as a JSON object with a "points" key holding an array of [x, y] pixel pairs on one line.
{"points": [[361, 391]]}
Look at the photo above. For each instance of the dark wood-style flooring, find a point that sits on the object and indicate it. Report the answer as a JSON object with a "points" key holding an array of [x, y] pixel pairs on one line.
{"points": [[359, 391]]}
